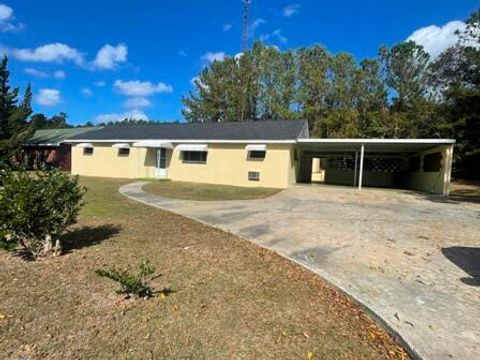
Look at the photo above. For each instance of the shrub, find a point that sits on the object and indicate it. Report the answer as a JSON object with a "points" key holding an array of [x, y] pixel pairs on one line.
{"points": [[130, 283], [35, 210]]}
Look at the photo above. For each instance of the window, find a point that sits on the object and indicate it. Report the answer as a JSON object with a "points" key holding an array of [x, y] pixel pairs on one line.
{"points": [[88, 151], [253, 176], [194, 156], [123, 151], [432, 162], [256, 155]]}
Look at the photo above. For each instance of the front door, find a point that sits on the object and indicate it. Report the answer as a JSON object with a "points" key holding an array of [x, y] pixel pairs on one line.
{"points": [[160, 169]]}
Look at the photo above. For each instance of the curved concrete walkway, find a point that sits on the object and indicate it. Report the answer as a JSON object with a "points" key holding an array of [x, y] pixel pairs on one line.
{"points": [[411, 260]]}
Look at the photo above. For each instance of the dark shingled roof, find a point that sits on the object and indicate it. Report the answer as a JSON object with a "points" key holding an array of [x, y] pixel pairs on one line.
{"points": [[248, 130]]}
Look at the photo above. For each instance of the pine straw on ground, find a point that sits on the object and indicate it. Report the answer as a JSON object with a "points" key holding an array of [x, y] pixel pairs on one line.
{"points": [[231, 300]]}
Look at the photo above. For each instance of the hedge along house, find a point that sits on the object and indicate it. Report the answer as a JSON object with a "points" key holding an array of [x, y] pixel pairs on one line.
{"points": [[260, 153], [48, 148]]}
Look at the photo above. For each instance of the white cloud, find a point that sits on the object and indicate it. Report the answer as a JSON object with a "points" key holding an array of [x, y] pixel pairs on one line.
{"points": [[100, 83], [86, 92], [137, 102], [36, 73], [256, 23], [48, 97], [7, 20], [196, 80], [141, 88], [277, 34], [213, 56], [254, 26], [56, 52], [182, 53], [6, 12], [291, 10], [58, 74], [108, 57], [227, 27], [135, 114], [436, 39]]}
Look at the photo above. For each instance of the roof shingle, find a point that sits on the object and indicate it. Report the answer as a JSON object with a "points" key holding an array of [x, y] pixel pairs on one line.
{"points": [[248, 130]]}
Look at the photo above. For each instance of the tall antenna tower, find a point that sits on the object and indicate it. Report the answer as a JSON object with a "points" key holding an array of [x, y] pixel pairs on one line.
{"points": [[246, 5]]}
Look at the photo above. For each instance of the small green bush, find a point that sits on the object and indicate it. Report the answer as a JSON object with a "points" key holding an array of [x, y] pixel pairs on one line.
{"points": [[36, 209], [130, 283]]}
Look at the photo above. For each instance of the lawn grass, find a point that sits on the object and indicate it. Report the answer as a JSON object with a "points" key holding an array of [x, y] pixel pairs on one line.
{"points": [[207, 192], [232, 299]]}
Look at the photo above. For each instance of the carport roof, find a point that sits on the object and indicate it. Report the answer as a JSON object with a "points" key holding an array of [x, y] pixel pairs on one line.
{"points": [[372, 145]]}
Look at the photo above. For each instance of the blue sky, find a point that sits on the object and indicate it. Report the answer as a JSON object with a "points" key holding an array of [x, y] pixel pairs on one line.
{"points": [[102, 60]]}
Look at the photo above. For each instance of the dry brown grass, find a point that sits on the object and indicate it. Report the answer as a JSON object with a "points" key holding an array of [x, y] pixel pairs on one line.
{"points": [[207, 192], [465, 191], [232, 299]]}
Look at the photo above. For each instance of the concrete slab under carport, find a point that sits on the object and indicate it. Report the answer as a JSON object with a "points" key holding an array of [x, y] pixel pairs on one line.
{"points": [[360, 149], [401, 254]]}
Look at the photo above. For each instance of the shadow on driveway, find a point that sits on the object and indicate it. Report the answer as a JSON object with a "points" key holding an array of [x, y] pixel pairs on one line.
{"points": [[467, 259]]}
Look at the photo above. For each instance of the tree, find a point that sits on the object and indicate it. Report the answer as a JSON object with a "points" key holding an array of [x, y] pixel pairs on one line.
{"points": [[405, 71], [14, 127], [39, 121], [36, 210], [457, 82], [225, 91], [313, 65]]}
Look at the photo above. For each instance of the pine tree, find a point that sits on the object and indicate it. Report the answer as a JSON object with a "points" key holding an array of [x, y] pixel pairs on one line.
{"points": [[14, 128]]}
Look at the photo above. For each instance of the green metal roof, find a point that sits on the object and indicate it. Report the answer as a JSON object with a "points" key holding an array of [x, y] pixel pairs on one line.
{"points": [[53, 137]]}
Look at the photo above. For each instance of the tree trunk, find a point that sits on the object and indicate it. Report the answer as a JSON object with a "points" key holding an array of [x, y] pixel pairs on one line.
{"points": [[48, 244], [57, 251]]}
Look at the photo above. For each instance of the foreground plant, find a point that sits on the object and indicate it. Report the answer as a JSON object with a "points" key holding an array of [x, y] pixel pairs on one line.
{"points": [[36, 210], [130, 283]]}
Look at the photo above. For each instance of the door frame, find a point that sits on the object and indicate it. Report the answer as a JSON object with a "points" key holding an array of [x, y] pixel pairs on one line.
{"points": [[161, 157]]}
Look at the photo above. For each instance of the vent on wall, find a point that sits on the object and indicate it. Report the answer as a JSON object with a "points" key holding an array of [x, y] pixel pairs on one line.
{"points": [[253, 176]]}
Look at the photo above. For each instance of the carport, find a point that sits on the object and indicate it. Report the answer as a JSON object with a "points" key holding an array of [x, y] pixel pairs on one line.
{"points": [[416, 164]]}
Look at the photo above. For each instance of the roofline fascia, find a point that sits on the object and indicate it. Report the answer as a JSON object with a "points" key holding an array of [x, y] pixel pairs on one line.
{"points": [[186, 141], [297, 141], [55, 144], [376, 141]]}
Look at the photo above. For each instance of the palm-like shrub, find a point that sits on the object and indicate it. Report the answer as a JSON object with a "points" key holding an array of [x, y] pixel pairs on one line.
{"points": [[131, 283]]}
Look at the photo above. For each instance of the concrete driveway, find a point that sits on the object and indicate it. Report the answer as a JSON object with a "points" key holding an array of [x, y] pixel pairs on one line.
{"points": [[411, 259]]}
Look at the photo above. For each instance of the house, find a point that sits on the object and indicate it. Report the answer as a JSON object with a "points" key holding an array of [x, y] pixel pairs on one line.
{"points": [[260, 153], [47, 148]]}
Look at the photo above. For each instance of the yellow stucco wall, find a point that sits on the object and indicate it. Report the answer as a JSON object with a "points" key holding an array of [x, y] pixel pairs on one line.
{"points": [[106, 162], [226, 164], [434, 182]]}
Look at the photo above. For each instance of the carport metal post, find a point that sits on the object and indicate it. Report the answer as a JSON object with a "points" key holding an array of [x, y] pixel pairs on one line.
{"points": [[355, 170], [360, 176]]}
